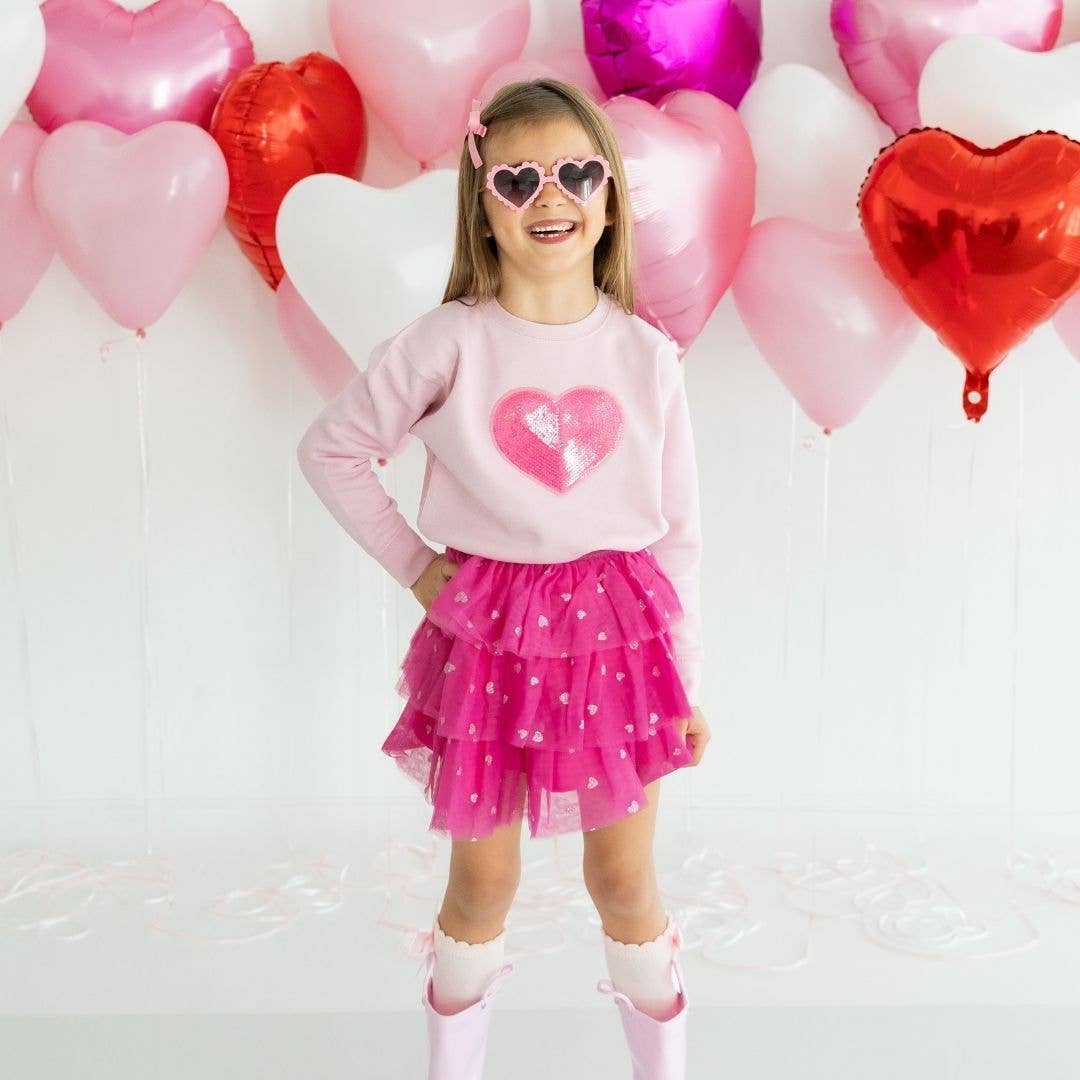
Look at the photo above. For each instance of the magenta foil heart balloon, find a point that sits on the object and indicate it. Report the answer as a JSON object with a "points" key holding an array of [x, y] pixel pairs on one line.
{"points": [[884, 45], [647, 49], [131, 69]]}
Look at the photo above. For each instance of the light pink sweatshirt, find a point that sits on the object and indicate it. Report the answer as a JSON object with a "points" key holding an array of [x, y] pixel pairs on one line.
{"points": [[544, 441]]}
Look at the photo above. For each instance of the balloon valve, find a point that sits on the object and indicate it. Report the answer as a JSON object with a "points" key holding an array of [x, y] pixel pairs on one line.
{"points": [[976, 394]]}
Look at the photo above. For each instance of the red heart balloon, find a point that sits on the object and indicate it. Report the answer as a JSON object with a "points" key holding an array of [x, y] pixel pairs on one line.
{"points": [[983, 244], [277, 123]]}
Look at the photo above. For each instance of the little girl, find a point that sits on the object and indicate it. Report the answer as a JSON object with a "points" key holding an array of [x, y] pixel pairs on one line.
{"points": [[557, 667]]}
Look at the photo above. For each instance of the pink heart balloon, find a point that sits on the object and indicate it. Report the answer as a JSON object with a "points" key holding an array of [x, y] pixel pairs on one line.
{"points": [[27, 246], [648, 49], [822, 314], [569, 65], [418, 64], [557, 440], [320, 355], [691, 172], [130, 69], [1067, 324], [885, 45], [131, 214]]}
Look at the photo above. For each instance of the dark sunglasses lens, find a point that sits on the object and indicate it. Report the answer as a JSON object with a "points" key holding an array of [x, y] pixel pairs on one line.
{"points": [[516, 187], [581, 181]]}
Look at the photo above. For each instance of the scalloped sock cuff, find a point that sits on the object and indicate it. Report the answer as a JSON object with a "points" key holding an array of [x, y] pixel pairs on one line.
{"points": [[462, 970], [643, 972]]}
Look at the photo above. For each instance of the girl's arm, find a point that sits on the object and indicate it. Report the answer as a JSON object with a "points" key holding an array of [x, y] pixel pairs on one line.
{"points": [[678, 551], [367, 419]]}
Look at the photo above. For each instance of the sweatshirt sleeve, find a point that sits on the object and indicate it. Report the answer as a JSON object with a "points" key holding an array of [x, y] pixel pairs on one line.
{"points": [[678, 551], [369, 418]]}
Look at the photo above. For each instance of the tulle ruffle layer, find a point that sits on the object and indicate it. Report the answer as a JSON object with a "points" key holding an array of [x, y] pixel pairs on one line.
{"points": [[516, 703]]}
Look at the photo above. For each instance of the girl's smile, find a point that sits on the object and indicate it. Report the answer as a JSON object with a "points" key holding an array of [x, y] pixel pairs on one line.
{"points": [[552, 230]]}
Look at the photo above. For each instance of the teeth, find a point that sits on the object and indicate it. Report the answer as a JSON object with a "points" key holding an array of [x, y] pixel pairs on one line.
{"points": [[552, 229]]}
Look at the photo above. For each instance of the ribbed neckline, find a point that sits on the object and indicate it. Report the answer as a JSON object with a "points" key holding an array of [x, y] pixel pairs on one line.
{"points": [[551, 331]]}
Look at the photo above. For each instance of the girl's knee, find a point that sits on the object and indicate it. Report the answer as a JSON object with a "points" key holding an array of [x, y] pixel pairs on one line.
{"points": [[483, 897], [620, 887]]}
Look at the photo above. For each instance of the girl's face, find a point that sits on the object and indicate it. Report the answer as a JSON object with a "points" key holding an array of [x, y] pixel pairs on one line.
{"points": [[544, 143]]}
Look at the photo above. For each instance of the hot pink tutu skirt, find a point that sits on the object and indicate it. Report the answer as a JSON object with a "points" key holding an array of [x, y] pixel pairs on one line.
{"points": [[546, 686]]}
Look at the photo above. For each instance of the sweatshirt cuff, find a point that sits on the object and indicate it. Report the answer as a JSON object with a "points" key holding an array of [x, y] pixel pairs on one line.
{"points": [[406, 556]]}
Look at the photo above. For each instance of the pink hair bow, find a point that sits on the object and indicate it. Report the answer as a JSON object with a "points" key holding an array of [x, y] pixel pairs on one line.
{"points": [[475, 128]]}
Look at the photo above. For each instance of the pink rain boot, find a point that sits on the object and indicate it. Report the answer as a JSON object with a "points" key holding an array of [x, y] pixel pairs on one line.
{"points": [[657, 1047], [457, 1043]]}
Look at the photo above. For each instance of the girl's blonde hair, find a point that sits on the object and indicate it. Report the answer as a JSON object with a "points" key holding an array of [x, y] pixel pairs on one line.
{"points": [[475, 269]]}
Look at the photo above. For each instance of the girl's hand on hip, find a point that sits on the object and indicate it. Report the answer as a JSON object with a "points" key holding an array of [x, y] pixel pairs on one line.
{"points": [[695, 732], [433, 580]]}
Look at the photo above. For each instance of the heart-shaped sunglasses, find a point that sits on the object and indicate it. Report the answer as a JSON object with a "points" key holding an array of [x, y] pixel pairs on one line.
{"points": [[577, 178]]}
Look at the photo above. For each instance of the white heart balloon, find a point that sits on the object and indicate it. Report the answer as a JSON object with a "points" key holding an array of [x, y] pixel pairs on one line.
{"points": [[813, 144], [988, 91], [368, 260], [22, 50]]}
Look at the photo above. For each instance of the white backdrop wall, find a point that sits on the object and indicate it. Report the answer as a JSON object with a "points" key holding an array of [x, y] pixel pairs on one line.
{"points": [[889, 615]]}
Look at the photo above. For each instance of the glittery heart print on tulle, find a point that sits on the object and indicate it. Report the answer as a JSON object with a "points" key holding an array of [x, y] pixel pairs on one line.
{"points": [[557, 440]]}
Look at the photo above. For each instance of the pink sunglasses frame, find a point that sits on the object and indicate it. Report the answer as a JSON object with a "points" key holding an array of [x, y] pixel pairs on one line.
{"points": [[489, 181]]}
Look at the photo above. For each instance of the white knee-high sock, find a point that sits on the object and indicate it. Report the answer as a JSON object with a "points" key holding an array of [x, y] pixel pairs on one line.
{"points": [[643, 972], [462, 970]]}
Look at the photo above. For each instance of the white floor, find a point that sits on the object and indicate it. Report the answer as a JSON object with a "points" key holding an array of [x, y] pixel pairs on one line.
{"points": [[269, 941]]}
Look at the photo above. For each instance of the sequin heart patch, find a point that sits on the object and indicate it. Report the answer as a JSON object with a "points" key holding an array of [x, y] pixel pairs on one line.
{"points": [[557, 440]]}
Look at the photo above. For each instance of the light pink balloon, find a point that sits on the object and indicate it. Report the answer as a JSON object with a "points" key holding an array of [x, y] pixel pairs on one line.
{"points": [[885, 45], [569, 65], [691, 174], [418, 64], [131, 214], [130, 69], [822, 314], [322, 359], [27, 247], [1067, 324]]}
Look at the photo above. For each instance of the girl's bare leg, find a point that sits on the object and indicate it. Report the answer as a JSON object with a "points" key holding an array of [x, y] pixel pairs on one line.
{"points": [[484, 877], [620, 874]]}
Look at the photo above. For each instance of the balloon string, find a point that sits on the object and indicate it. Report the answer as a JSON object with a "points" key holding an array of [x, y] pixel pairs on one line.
{"points": [[286, 735], [290, 516], [917, 798], [788, 536], [788, 696], [824, 587], [897, 903], [818, 755], [964, 569], [144, 601], [29, 709], [1016, 603]]}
